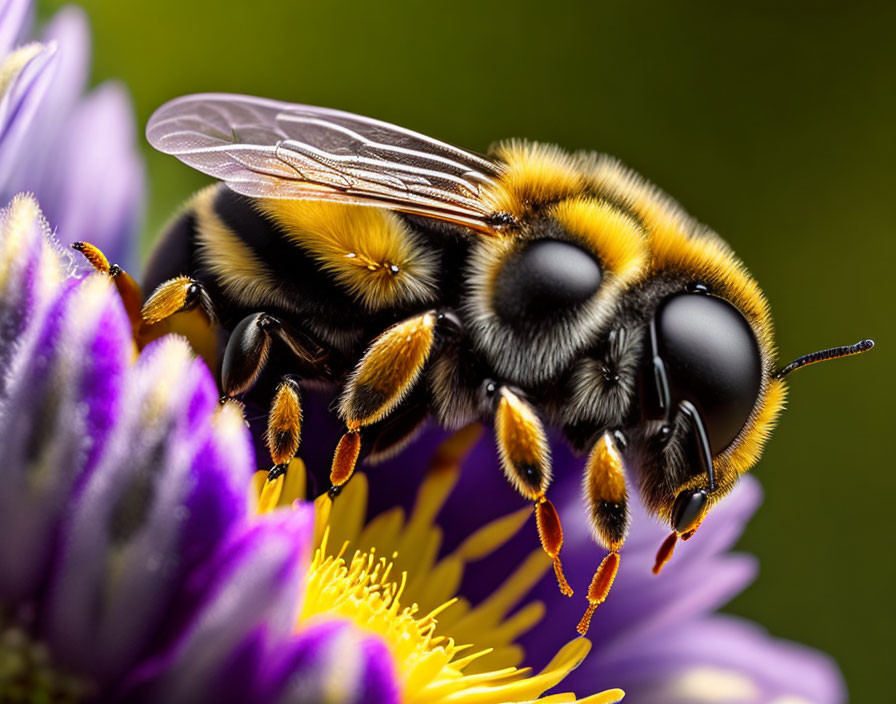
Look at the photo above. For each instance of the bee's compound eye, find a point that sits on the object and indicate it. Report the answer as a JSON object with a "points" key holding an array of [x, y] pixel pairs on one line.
{"points": [[687, 510], [544, 278], [712, 359]]}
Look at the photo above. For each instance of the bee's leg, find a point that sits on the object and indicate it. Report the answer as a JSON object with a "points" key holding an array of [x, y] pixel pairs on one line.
{"points": [[128, 289], [246, 353], [690, 505], [385, 375], [249, 345], [181, 293], [526, 459], [284, 423], [607, 497]]}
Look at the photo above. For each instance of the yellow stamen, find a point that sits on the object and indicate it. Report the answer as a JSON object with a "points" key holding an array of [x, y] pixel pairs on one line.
{"points": [[385, 577], [365, 591]]}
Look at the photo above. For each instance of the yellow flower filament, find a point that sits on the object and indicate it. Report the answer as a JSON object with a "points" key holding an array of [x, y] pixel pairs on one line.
{"points": [[394, 586]]}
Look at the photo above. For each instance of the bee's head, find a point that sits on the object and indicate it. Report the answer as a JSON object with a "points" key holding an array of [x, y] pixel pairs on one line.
{"points": [[709, 395], [704, 383]]}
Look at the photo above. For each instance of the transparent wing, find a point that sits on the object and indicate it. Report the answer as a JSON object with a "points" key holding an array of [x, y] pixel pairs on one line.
{"points": [[271, 149]]}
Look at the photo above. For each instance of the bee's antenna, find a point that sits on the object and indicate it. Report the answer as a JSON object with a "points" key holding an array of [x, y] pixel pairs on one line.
{"points": [[824, 355]]}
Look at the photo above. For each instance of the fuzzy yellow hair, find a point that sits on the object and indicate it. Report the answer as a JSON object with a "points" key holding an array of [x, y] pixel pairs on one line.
{"points": [[370, 251], [533, 174]]}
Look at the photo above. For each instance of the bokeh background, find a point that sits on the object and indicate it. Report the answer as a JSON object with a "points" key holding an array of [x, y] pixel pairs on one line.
{"points": [[773, 122]]}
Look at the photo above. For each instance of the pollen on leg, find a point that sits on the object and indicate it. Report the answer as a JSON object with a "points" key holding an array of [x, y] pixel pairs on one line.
{"points": [[128, 289], [606, 493], [93, 255], [169, 298], [664, 554], [523, 446], [388, 370]]}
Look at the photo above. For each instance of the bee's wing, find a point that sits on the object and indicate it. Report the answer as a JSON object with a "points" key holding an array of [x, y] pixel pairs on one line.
{"points": [[270, 149]]}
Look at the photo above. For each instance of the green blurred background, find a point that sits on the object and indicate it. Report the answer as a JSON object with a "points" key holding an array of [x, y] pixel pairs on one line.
{"points": [[773, 122]]}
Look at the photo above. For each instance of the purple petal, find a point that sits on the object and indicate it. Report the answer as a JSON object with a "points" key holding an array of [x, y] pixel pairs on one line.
{"points": [[79, 156], [69, 32], [18, 106], [333, 661], [15, 23], [62, 396], [700, 578], [136, 527], [242, 601], [95, 191], [634, 614], [28, 277], [723, 659]]}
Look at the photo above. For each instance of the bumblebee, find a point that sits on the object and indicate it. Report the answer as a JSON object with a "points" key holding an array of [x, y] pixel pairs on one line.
{"points": [[531, 288]]}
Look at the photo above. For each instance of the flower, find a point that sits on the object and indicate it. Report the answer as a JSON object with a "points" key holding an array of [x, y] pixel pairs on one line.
{"points": [[122, 481], [395, 561], [134, 568], [656, 637], [77, 153]]}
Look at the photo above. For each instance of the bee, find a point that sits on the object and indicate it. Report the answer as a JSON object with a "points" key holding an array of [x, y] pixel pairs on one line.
{"points": [[531, 288]]}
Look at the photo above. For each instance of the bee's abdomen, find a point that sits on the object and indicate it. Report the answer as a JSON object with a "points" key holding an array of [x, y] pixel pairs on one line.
{"points": [[254, 267], [173, 254]]}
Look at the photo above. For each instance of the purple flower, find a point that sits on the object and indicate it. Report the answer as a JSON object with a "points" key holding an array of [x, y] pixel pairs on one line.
{"points": [[135, 568], [77, 153], [123, 499], [656, 637]]}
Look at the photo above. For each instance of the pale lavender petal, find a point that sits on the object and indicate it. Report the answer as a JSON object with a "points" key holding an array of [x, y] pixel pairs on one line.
{"points": [[80, 157], [639, 616], [18, 106], [15, 23], [96, 189], [54, 424], [726, 660], [68, 30], [700, 578], [244, 600], [136, 528]]}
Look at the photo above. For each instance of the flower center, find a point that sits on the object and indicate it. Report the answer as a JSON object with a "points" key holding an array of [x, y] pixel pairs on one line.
{"points": [[431, 668], [28, 675], [397, 588], [363, 591]]}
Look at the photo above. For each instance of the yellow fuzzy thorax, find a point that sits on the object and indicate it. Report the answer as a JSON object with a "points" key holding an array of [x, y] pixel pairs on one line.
{"points": [[395, 587], [534, 174], [611, 234]]}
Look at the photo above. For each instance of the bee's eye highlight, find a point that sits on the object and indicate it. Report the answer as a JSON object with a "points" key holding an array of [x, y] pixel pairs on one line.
{"points": [[712, 359], [687, 510], [546, 277]]}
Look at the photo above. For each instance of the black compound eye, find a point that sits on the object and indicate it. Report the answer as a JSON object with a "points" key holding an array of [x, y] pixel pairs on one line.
{"points": [[687, 509], [712, 359], [544, 278]]}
